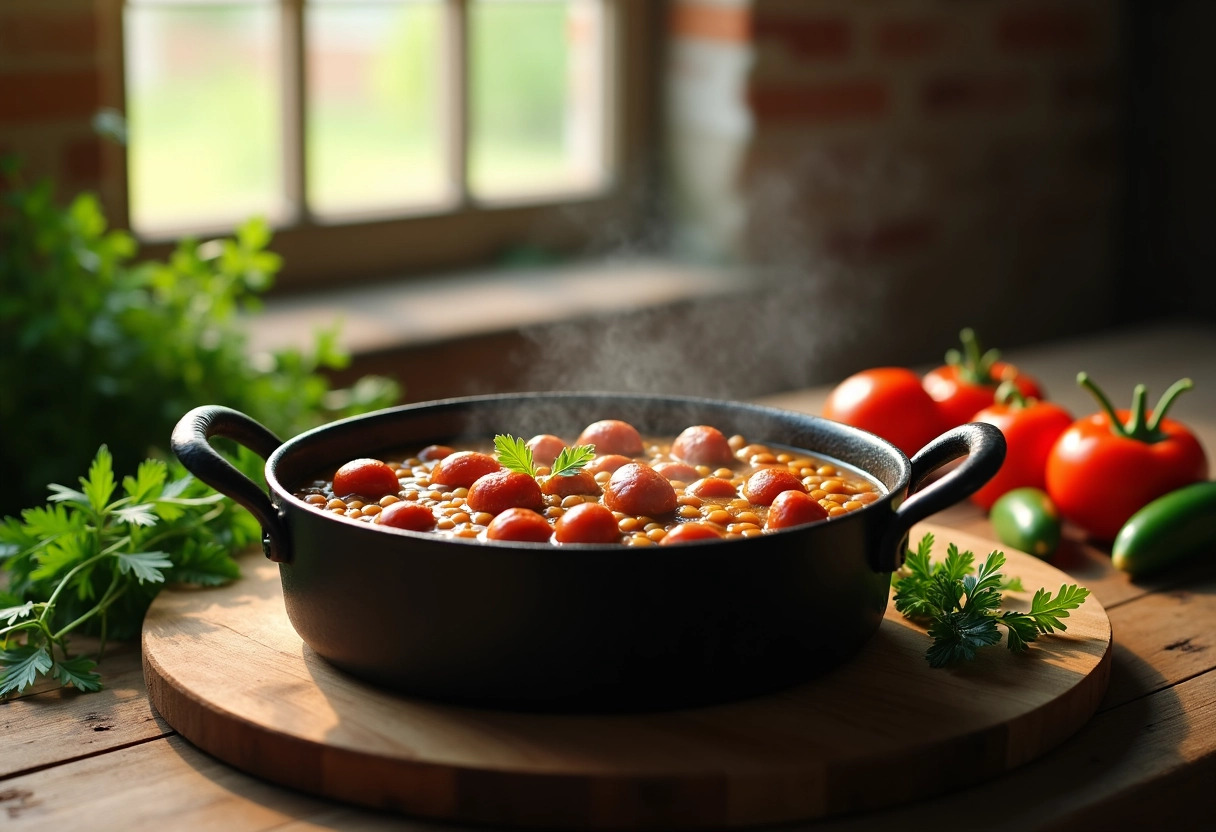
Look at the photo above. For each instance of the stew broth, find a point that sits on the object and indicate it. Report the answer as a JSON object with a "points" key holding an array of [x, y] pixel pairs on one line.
{"points": [[727, 487]]}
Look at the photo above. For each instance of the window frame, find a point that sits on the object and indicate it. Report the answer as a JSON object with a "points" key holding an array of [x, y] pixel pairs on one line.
{"points": [[320, 254]]}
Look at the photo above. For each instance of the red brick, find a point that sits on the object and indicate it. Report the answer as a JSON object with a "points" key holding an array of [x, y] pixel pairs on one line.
{"points": [[825, 101], [884, 239], [704, 21], [975, 93], [1044, 29], [825, 37], [909, 38], [36, 96], [43, 34]]}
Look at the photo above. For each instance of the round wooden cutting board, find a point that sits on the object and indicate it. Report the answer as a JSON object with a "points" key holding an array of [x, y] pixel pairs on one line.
{"points": [[225, 668]]}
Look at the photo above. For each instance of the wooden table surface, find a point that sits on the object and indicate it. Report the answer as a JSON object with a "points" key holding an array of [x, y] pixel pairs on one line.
{"points": [[1146, 760]]}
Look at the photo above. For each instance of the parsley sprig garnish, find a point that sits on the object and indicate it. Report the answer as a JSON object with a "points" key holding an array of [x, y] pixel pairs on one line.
{"points": [[513, 453], [90, 562], [960, 603]]}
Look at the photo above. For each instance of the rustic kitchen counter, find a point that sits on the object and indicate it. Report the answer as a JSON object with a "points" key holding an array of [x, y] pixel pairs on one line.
{"points": [[1147, 759]]}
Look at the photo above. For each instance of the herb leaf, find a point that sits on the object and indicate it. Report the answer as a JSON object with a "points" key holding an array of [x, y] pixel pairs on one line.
{"points": [[514, 454], [99, 484], [145, 566], [94, 560], [960, 603], [78, 672], [12, 614], [22, 666], [572, 460], [958, 635], [1044, 616]]}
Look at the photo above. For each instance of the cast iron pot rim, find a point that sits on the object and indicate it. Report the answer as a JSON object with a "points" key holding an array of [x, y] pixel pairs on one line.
{"points": [[287, 500]]}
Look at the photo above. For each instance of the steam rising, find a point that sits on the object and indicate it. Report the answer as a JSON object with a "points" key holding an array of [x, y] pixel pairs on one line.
{"points": [[777, 331], [799, 315]]}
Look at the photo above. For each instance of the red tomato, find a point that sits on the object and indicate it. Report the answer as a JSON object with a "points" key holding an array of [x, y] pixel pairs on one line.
{"points": [[712, 487], [967, 382], [587, 523], [689, 532], [702, 445], [501, 490], [639, 490], [608, 462], [1031, 427], [890, 402], [369, 478], [1107, 466], [564, 485], [612, 436], [413, 516], [545, 447], [677, 471], [960, 400], [763, 486], [794, 508], [462, 469], [519, 524]]}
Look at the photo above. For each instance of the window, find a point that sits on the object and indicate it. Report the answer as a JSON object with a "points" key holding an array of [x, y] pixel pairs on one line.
{"points": [[383, 136]]}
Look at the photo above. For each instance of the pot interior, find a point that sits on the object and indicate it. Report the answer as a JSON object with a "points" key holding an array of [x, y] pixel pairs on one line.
{"points": [[566, 414]]}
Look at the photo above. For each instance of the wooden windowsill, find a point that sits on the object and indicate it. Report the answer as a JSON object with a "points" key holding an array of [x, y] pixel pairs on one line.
{"points": [[419, 314], [572, 326]]}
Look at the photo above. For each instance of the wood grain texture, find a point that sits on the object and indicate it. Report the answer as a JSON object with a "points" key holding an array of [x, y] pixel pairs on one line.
{"points": [[225, 669], [47, 727], [1116, 773]]}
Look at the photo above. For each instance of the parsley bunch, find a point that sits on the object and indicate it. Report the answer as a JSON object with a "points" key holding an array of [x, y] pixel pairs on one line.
{"points": [[515, 455], [101, 345], [89, 561], [960, 603]]}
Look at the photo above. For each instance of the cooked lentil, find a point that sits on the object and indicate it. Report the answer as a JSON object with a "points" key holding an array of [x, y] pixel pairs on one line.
{"points": [[837, 488]]}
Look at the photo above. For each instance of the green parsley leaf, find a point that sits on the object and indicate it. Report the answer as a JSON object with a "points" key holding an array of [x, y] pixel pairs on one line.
{"points": [[145, 566], [960, 603], [78, 672], [149, 480], [74, 565], [572, 460], [61, 493], [958, 635], [514, 454], [9, 615], [1045, 615], [203, 563], [22, 666], [99, 484], [138, 515]]}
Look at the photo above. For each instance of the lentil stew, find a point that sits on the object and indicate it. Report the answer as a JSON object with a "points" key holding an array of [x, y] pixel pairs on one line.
{"points": [[727, 487]]}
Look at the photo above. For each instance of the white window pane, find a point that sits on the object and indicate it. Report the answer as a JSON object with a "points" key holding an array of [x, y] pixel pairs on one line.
{"points": [[375, 136], [536, 98], [204, 118]]}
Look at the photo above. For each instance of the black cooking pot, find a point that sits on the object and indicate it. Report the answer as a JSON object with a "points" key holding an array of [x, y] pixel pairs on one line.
{"points": [[582, 627]]}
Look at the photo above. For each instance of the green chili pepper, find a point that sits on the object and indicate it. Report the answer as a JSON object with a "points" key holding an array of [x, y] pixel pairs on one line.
{"points": [[1026, 519]]}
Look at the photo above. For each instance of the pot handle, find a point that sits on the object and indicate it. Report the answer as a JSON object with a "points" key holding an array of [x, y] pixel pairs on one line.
{"points": [[983, 445], [189, 443]]}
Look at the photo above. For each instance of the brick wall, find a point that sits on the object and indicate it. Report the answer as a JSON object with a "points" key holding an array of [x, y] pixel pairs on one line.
{"points": [[52, 85], [906, 167]]}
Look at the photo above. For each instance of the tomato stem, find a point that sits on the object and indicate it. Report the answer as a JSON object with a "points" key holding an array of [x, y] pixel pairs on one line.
{"points": [[1010, 395], [974, 366], [1139, 425], [1167, 400]]}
